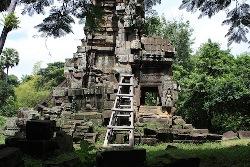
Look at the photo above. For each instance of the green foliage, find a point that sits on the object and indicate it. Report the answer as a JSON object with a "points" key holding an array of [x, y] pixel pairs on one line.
{"points": [[86, 153], [11, 21], [216, 91], [9, 58], [57, 24], [13, 80], [2, 121], [151, 98], [7, 99], [28, 95], [30, 162], [51, 76]]}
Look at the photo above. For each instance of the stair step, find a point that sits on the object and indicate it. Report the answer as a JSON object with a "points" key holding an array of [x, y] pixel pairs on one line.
{"points": [[123, 109], [123, 115], [127, 75], [120, 127], [124, 105], [125, 84], [125, 95]]}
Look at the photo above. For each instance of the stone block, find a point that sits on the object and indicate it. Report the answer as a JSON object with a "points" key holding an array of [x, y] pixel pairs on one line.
{"points": [[121, 157], [200, 131], [149, 141], [149, 132], [88, 116], [244, 134], [130, 58], [75, 83], [199, 137], [59, 91], [214, 137], [40, 129], [11, 157], [90, 137], [176, 127], [106, 114], [164, 137], [108, 104], [230, 135], [182, 131], [122, 58], [179, 121], [64, 142], [112, 96], [188, 126], [182, 136], [36, 148]]}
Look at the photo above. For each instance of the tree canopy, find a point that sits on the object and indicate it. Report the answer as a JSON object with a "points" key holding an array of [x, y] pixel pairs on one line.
{"points": [[216, 91], [9, 58]]}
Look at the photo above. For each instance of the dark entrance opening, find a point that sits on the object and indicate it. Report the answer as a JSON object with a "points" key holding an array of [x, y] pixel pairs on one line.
{"points": [[150, 96]]}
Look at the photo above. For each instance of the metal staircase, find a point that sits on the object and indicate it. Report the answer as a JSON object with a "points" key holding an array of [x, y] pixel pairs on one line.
{"points": [[122, 118]]}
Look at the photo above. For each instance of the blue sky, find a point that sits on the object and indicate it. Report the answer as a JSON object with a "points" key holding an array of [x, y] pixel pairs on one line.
{"points": [[33, 49]]}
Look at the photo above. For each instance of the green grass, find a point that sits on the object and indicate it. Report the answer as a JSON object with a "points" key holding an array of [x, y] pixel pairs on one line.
{"points": [[234, 153]]}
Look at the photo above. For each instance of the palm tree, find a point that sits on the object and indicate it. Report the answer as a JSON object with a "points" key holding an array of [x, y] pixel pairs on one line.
{"points": [[9, 58]]}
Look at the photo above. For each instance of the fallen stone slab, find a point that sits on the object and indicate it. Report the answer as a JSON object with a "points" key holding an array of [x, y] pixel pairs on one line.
{"points": [[214, 137], [230, 135], [11, 157], [122, 157], [35, 148], [244, 134]]}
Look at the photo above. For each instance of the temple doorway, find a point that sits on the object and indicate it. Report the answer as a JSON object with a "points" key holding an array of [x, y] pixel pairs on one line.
{"points": [[149, 96]]}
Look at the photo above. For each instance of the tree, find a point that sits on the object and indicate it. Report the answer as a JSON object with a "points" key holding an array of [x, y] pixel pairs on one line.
{"points": [[238, 15], [27, 95], [51, 76], [7, 99], [216, 91], [9, 59]]}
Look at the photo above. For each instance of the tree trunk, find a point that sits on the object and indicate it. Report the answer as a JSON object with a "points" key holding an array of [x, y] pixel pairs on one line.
{"points": [[5, 30]]}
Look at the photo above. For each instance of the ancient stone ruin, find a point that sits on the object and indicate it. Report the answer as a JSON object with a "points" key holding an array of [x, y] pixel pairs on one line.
{"points": [[117, 47]]}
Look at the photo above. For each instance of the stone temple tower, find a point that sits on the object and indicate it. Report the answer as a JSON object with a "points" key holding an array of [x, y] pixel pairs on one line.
{"points": [[118, 46]]}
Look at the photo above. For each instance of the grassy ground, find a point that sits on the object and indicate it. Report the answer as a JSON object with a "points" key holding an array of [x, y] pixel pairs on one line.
{"points": [[234, 153]]}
